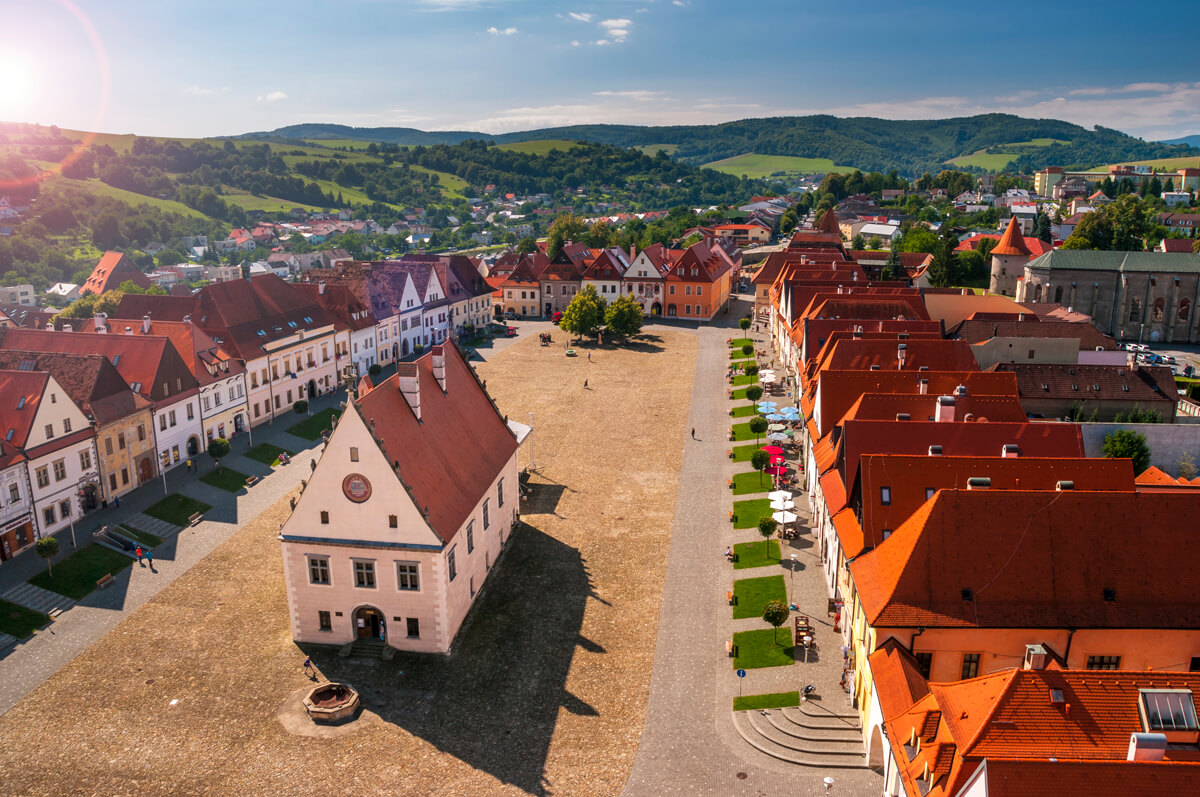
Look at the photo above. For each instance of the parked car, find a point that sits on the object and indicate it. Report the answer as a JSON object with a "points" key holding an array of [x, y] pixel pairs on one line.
{"points": [[554, 319]]}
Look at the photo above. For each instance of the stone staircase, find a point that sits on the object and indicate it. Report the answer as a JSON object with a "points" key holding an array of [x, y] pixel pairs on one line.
{"points": [[152, 525], [38, 599], [365, 649], [7, 641], [806, 735]]}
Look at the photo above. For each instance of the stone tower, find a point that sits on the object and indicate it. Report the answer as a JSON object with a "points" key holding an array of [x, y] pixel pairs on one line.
{"points": [[1008, 260]]}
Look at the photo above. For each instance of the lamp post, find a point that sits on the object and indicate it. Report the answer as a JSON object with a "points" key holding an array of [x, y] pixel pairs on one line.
{"points": [[531, 441], [792, 579]]}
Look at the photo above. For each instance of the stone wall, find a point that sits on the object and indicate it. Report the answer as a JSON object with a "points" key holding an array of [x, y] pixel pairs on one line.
{"points": [[1168, 441]]}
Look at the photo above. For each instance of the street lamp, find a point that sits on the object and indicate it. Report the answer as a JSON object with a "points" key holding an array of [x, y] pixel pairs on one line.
{"points": [[792, 578]]}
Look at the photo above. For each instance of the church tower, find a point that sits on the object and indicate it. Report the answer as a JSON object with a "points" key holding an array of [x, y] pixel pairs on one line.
{"points": [[1008, 260]]}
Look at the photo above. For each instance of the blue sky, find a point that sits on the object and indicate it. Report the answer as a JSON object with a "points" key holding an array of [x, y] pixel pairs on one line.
{"points": [[189, 68]]}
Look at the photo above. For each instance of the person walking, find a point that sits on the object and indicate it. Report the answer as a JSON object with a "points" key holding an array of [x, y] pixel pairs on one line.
{"points": [[589, 356], [117, 502], [309, 669], [138, 553], [585, 387], [189, 465], [149, 554], [693, 432]]}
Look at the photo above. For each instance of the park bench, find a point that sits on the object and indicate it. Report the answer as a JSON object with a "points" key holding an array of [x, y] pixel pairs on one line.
{"points": [[195, 518], [730, 648], [729, 453], [104, 580], [251, 481], [729, 597], [732, 517]]}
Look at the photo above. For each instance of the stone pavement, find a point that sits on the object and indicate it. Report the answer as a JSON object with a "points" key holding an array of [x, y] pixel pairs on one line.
{"points": [[689, 744], [27, 665]]}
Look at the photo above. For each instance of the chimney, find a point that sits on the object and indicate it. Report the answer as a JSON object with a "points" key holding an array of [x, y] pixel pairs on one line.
{"points": [[945, 409], [903, 416], [1010, 451], [935, 451], [1035, 659], [320, 288], [1064, 485], [128, 330], [961, 390], [924, 387], [66, 328], [1147, 747], [979, 483], [145, 325], [187, 319], [410, 386], [439, 366], [901, 355], [100, 322]]}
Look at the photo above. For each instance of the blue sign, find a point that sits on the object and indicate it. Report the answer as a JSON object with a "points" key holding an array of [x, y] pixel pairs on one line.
{"points": [[741, 673]]}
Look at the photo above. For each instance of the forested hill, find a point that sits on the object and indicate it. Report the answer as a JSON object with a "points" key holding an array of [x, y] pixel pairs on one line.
{"points": [[867, 143]]}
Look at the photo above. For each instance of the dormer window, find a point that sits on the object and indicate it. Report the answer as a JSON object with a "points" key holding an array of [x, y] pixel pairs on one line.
{"points": [[1167, 710]]}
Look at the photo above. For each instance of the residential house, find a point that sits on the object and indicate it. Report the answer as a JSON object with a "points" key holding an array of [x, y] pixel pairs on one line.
{"points": [[644, 278], [348, 312], [700, 280], [521, 288], [377, 548], [605, 273], [16, 509], [66, 291], [113, 269], [1099, 392], [18, 294]]}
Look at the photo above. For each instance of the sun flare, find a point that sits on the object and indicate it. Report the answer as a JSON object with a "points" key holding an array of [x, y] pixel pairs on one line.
{"points": [[16, 85]]}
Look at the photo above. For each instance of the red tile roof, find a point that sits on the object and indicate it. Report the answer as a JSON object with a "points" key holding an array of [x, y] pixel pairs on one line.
{"points": [[887, 406], [20, 394], [1151, 386], [113, 269], [860, 355], [89, 379], [1035, 560], [439, 477], [978, 330]]}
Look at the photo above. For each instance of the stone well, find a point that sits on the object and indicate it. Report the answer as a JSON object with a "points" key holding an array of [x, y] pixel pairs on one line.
{"points": [[331, 702]]}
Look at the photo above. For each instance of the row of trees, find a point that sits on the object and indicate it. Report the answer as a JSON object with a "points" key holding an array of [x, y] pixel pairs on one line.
{"points": [[589, 314]]}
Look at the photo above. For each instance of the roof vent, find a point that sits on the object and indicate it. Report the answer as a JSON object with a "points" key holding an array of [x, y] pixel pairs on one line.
{"points": [[961, 390], [979, 483], [875, 367], [1110, 595], [1010, 450], [968, 595], [935, 451], [1147, 747], [903, 416], [923, 368], [1064, 484], [1035, 659]]}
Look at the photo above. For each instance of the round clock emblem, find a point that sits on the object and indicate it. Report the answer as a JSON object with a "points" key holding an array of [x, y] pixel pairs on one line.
{"points": [[356, 487]]}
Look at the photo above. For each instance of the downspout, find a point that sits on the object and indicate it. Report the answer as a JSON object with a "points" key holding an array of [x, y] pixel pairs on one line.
{"points": [[912, 643], [1067, 652]]}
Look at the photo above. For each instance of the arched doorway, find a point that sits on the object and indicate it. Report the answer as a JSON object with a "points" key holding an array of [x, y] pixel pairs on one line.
{"points": [[145, 470], [239, 423], [404, 347], [193, 446], [656, 308], [367, 622], [312, 389], [875, 753]]}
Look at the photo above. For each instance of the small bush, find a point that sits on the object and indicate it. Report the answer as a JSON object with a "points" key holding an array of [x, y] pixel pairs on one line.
{"points": [[300, 407]]}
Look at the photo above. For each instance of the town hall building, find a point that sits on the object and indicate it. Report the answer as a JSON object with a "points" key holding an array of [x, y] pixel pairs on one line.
{"points": [[406, 512]]}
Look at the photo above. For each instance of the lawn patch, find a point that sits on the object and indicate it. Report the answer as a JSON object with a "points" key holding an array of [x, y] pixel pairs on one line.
{"points": [[747, 513], [750, 595], [77, 575], [18, 621], [227, 479], [752, 482], [740, 342], [176, 509], [267, 454], [743, 453], [144, 537], [756, 554], [773, 700], [739, 394], [741, 432], [757, 649], [748, 411], [311, 428], [744, 379]]}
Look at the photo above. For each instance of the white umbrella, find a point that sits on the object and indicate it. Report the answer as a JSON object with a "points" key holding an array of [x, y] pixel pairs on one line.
{"points": [[777, 437], [780, 495], [776, 427], [784, 517], [783, 504]]}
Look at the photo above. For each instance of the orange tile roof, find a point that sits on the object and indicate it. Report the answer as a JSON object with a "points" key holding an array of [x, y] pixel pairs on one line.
{"points": [[113, 269], [954, 308], [1035, 559], [886, 406], [861, 354], [833, 491], [897, 678], [1029, 778], [1012, 242]]}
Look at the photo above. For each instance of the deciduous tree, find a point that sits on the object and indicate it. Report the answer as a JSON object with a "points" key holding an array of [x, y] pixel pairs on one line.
{"points": [[47, 548], [760, 460], [623, 317], [585, 314], [776, 613]]}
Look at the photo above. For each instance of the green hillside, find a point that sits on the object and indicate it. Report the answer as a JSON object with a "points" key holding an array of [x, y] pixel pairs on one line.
{"points": [[539, 147], [763, 166], [997, 158]]}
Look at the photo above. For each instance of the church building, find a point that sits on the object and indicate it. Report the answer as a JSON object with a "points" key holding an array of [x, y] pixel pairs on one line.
{"points": [[406, 512]]}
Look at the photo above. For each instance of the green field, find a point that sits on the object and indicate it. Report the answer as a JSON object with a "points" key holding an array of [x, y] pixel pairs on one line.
{"points": [[652, 149], [758, 166], [265, 203], [994, 162], [452, 184], [1161, 164], [94, 186], [539, 147]]}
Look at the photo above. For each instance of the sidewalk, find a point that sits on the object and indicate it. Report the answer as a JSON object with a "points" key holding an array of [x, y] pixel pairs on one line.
{"points": [[26, 665]]}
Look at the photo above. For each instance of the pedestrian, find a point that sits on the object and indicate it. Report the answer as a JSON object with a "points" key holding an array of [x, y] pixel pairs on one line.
{"points": [[117, 502], [585, 387], [693, 432], [189, 465], [138, 552], [589, 356], [149, 557], [309, 669]]}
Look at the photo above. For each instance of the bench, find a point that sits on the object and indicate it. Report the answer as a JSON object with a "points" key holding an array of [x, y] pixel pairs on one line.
{"points": [[731, 484], [729, 453], [194, 518], [251, 481], [729, 597], [104, 580], [732, 517], [730, 648]]}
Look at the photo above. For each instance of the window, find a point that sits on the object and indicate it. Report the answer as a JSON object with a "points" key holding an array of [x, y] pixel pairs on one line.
{"points": [[43, 477], [1185, 309], [353, 453], [324, 621], [414, 628], [1030, 355], [485, 513], [162, 423], [324, 517], [1135, 310], [124, 476], [687, 290], [192, 413], [141, 432], [85, 460], [472, 582], [14, 493], [318, 569], [393, 522], [66, 425], [407, 577], [500, 493], [1104, 662], [672, 291], [929, 493], [1168, 710], [49, 431], [48, 515], [64, 509], [60, 469], [970, 666], [121, 440], [172, 414], [450, 565], [108, 449], [112, 482], [364, 574], [470, 537], [885, 496]]}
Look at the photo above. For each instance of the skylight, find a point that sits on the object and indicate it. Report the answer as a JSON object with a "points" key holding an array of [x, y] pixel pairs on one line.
{"points": [[1168, 710], [116, 359], [8, 437], [21, 403]]}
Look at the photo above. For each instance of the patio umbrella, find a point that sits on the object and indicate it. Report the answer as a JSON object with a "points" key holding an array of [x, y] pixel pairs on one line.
{"points": [[789, 434], [776, 436], [770, 404], [773, 450], [778, 461], [779, 505], [785, 517], [774, 416], [777, 470], [776, 427], [791, 409], [780, 495]]}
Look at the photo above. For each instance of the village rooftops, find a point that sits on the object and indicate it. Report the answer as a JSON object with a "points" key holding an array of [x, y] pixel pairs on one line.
{"points": [[89, 379], [1035, 559], [1091, 260], [113, 269], [953, 307], [898, 354], [1152, 384], [979, 330]]}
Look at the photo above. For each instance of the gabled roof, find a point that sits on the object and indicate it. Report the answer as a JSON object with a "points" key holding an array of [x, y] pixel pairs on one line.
{"points": [[924, 407], [610, 264], [1012, 243], [346, 309], [438, 476], [953, 307], [860, 354], [89, 379], [978, 330], [1152, 384], [235, 312], [1040, 559], [1128, 262], [113, 269], [20, 394]]}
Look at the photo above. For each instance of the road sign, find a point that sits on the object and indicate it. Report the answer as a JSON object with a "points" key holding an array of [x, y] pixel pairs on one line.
{"points": [[741, 673]]}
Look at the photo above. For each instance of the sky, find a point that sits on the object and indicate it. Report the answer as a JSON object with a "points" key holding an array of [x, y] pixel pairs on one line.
{"points": [[192, 69]]}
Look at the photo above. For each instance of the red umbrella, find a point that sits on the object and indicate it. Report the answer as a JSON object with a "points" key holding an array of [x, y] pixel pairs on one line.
{"points": [[773, 450], [777, 470], [777, 460]]}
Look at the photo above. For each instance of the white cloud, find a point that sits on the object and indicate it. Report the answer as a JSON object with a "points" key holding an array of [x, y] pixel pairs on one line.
{"points": [[272, 96], [641, 95], [502, 32], [580, 17], [679, 3], [602, 42], [575, 42], [201, 91], [616, 29]]}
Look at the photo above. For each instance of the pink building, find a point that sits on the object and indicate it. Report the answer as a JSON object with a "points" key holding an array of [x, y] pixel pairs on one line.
{"points": [[408, 509]]}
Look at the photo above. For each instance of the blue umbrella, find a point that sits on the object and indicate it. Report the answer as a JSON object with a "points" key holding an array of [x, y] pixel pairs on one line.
{"points": [[775, 417], [767, 404]]}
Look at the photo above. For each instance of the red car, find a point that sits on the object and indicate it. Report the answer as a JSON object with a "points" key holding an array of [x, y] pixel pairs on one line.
{"points": [[554, 319], [510, 332]]}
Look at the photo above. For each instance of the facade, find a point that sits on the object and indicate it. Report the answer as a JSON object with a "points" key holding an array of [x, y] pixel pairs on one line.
{"points": [[559, 282], [604, 273], [16, 507], [700, 281], [377, 547], [18, 294], [643, 280]]}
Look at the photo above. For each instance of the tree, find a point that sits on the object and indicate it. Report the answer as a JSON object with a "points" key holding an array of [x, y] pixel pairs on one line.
{"points": [[218, 448], [858, 242], [1042, 231], [748, 349], [943, 270], [585, 314], [919, 239], [894, 268], [776, 614], [1128, 444], [567, 227], [623, 318], [760, 460], [375, 369], [526, 245], [47, 548], [751, 370], [744, 324], [754, 392], [766, 528], [300, 407], [758, 425], [1187, 466]]}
